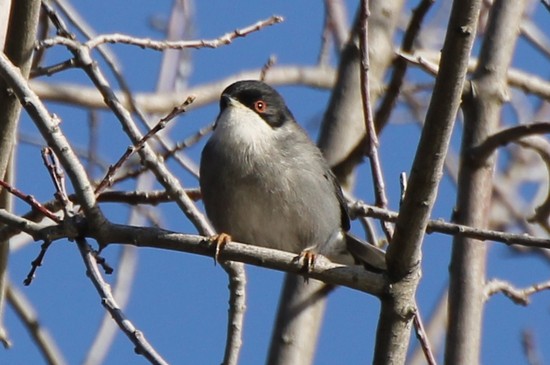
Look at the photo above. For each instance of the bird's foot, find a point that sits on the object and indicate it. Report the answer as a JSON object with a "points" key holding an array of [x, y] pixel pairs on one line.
{"points": [[219, 240], [307, 256]]}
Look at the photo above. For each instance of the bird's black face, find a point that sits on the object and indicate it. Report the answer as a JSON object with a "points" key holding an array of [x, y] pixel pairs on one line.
{"points": [[260, 98]]}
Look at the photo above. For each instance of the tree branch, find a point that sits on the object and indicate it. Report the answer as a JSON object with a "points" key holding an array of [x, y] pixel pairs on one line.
{"points": [[371, 140], [518, 296], [482, 151], [108, 301], [404, 253], [160, 45], [482, 114]]}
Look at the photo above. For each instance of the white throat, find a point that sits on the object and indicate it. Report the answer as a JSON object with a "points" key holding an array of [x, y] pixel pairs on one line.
{"points": [[239, 125]]}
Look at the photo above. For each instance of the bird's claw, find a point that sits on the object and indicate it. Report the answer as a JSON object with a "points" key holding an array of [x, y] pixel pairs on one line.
{"points": [[219, 240], [308, 257]]}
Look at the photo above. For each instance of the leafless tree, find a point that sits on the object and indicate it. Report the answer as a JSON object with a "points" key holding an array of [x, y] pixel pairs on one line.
{"points": [[447, 70]]}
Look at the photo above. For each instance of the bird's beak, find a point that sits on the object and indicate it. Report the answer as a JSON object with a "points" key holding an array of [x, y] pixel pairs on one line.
{"points": [[227, 100]]}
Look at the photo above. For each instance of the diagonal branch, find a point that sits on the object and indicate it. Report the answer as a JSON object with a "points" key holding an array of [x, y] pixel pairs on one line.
{"points": [[108, 301]]}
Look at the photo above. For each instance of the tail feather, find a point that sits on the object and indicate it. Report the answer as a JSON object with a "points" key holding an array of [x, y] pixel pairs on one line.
{"points": [[366, 254]]}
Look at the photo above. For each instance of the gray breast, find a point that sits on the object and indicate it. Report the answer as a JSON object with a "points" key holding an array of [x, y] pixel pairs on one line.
{"points": [[279, 198]]}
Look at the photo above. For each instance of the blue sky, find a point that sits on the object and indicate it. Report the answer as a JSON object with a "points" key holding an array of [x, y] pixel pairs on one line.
{"points": [[180, 300]]}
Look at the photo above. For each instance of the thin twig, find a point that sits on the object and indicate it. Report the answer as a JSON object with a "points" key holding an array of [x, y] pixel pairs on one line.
{"points": [[440, 226], [423, 338], [112, 63], [326, 37], [518, 296], [37, 262], [58, 178], [58, 23], [400, 65], [186, 143], [29, 199], [268, 65], [163, 175], [108, 301], [336, 29], [107, 180], [164, 45], [527, 82], [93, 142], [53, 69], [371, 138]]}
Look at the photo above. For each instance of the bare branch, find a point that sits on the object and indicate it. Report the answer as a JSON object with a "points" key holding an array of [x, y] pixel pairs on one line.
{"points": [[17, 37], [161, 102], [164, 45], [58, 23], [107, 180], [482, 115], [542, 147], [126, 268], [502, 138], [454, 229], [400, 65], [524, 81], [404, 252], [108, 301], [51, 70], [144, 197], [518, 296], [371, 140], [149, 158], [422, 337], [354, 277], [29, 199], [37, 262], [51, 132], [237, 307], [268, 65]]}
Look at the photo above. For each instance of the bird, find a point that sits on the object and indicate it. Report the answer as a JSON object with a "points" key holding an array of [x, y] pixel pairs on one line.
{"points": [[265, 183]]}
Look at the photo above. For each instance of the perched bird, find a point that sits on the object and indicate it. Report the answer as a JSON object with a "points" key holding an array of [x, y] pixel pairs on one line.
{"points": [[264, 182]]}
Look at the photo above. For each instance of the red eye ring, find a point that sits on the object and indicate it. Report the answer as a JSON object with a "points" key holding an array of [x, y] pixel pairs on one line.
{"points": [[260, 106]]}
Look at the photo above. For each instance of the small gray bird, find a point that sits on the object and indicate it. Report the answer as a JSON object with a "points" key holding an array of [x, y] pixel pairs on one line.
{"points": [[264, 182]]}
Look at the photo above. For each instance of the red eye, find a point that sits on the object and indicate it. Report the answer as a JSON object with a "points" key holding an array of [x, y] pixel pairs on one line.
{"points": [[260, 106]]}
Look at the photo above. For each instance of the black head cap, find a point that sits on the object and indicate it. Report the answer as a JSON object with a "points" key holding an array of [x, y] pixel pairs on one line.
{"points": [[261, 98]]}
